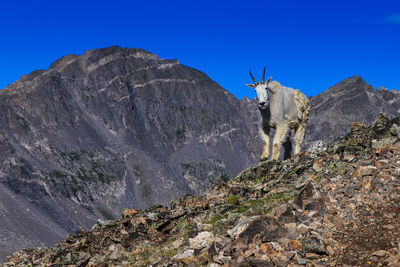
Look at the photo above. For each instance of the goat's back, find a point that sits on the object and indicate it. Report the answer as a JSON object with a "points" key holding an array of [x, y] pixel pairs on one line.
{"points": [[287, 104]]}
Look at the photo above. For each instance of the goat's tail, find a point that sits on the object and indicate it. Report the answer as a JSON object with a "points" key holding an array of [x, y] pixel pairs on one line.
{"points": [[303, 106]]}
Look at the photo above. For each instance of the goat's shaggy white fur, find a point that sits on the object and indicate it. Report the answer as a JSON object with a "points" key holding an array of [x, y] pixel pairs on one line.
{"points": [[283, 109]]}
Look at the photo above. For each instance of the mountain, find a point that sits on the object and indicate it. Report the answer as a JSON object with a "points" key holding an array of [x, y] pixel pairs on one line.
{"points": [[120, 128], [336, 207], [111, 129], [334, 110]]}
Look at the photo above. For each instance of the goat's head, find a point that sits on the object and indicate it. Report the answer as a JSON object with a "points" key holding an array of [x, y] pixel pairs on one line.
{"points": [[261, 89]]}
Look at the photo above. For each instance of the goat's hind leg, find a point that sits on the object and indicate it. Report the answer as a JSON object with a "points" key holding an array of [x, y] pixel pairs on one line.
{"points": [[264, 131], [299, 137]]}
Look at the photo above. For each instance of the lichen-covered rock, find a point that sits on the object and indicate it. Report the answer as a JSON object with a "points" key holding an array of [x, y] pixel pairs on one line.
{"points": [[202, 240], [317, 147]]}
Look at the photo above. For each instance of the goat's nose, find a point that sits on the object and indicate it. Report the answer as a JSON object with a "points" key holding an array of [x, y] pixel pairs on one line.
{"points": [[262, 103]]}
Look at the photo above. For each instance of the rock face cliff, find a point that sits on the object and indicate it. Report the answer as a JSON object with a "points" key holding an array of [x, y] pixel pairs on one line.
{"points": [[334, 110], [111, 129]]}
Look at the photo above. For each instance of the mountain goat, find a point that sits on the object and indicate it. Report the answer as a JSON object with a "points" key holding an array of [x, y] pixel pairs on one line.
{"points": [[283, 109]]}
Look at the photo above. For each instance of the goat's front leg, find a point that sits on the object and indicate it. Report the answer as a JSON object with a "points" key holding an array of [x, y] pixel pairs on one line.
{"points": [[281, 135], [264, 131]]}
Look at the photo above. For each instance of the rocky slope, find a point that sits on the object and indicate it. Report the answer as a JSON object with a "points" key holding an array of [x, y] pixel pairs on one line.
{"points": [[334, 207], [110, 129], [334, 110]]}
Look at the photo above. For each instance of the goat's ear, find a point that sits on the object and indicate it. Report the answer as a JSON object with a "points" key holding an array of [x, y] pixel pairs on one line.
{"points": [[250, 85], [268, 81]]}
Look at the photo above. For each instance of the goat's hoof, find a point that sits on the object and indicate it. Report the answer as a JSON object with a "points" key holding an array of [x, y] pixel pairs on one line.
{"points": [[263, 158]]}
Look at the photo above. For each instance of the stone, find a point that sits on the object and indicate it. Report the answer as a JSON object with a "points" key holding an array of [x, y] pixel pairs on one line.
{"points": [[314, 245], [348, 157], [295, 245], [186, 256], [317, 166], [103, 222], [302, 181], [301, 261], [140, 220], [202, 240], [176, 244], [302, 229], [383, 176], [117, 252], [389, 226], [291, 230], [129, 213], [289, 255], [204, 226], [379, 253], [330, 250], [357, 126], [255, 262], [312, 256], [241, 225], [266, 227], [152, 215], [368, 183], [306, 193], [366, 171], [317, 147], [265, 247]]}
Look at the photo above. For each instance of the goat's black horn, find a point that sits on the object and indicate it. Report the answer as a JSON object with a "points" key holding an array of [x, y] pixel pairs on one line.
{"points": [[254, 80], [263, 77]]}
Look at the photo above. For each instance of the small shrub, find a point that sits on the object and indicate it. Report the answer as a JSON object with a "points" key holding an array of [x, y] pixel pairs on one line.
{"points": [[170, 253], [181, 133], [215, 219], [74, 156], [57, 174], [232, 200], [225, 177]]}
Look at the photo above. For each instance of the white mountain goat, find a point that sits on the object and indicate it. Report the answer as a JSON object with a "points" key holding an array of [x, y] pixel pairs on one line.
{"points": [[283, 109]]}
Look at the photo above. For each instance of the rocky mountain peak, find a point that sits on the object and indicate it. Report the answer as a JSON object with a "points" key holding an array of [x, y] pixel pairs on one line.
{"points": [[333, 111], [350, 86], [355, 81]]}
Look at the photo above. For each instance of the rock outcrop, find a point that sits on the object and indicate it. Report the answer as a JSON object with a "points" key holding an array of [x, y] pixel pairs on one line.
{"points": [[337, 207]]}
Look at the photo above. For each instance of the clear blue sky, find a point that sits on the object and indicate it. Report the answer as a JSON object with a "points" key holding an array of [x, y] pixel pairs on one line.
{"points": [[310, 45]]}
